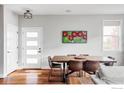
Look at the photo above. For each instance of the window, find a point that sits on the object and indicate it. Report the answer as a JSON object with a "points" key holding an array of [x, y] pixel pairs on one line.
{"points": [[32, 34], [111, 35]]}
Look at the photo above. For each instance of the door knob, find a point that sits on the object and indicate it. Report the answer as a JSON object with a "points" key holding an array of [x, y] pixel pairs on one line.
{"points": [[39, 51], [8, 52]]}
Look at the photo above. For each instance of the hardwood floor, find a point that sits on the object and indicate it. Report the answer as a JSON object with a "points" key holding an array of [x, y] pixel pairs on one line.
{"points": [[32, 77], [75, 79], [40, 76]]}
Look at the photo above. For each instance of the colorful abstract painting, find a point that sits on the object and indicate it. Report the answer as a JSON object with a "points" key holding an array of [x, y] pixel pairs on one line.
{"points": [[74, 36]]}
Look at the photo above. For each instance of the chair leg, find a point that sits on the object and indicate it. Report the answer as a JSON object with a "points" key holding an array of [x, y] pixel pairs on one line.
{"points": [[67, 71], [84, 74], [80, 73], [94, 72], [111, 64]]}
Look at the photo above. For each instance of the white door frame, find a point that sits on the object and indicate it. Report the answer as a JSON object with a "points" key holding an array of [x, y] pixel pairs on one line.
{"points": [[40, 39]]}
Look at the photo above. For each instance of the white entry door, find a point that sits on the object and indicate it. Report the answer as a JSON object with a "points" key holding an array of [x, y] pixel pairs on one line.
{"points": [[32, 47], [12, 48]]}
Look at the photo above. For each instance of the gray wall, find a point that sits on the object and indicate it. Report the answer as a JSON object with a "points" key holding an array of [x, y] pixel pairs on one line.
{"points": [[1, 41], [54, 25]]}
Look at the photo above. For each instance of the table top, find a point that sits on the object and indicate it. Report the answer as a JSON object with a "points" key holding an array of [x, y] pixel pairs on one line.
{"points": [[101, 59], [97, 58], [65, 59]]}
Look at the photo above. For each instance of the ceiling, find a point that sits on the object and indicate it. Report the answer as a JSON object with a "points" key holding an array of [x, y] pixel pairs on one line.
{"points": [[68, 9]]}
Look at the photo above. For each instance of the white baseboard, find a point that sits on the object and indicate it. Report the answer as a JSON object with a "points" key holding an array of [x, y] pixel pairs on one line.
{"points": [[2, 76]]}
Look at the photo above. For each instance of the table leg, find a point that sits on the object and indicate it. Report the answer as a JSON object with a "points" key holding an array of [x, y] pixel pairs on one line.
{"points": [[64, 77]]}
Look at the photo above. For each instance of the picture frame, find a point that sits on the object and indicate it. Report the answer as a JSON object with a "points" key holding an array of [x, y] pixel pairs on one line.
{"points": [[74, 37]]}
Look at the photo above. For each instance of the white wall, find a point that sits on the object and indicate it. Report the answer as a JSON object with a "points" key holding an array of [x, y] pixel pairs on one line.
{"points": [[1, 41], [54, 25], [10, 18]]}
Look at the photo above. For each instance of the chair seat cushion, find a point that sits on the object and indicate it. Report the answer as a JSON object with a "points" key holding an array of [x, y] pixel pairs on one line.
{"points": [[55, 65]]}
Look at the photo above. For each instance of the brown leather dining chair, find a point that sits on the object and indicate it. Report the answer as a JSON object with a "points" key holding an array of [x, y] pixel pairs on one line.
{"points": [[71, 55], [74, 66], [52, 66], [91, 66]]}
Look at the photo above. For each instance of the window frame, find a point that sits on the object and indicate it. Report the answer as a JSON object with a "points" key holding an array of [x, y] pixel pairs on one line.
{"points": [[119, 36]]}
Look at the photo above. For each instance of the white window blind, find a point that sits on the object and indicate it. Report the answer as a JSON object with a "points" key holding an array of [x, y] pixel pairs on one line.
{"points": [[111, 35]]}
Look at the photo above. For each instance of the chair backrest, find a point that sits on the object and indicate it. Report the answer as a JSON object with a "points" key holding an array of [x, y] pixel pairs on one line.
{"points": [[71, 55], [49, 60], [75, 66], [109, 63], [91, 66], [111, 57]]}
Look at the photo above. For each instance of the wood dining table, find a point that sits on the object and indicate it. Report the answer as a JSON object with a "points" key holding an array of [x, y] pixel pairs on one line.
{"points": [[65, 59]]}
